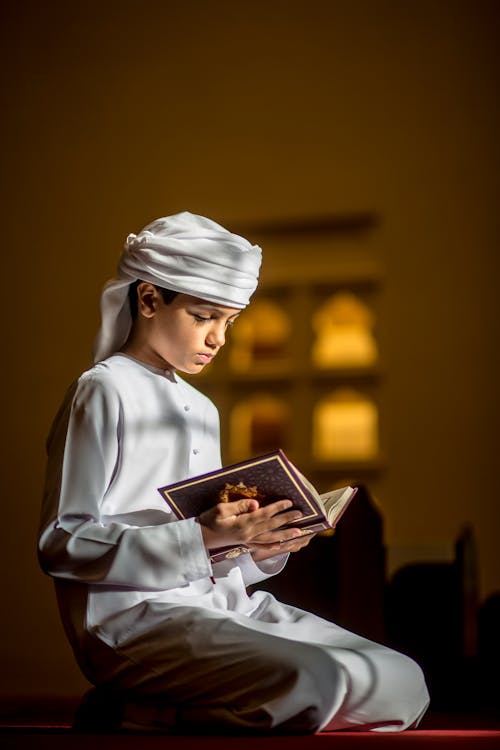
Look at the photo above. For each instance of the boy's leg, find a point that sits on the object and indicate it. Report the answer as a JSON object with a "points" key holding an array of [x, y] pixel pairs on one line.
{"points": [[386, 689], [213, 671], [207, 671]]}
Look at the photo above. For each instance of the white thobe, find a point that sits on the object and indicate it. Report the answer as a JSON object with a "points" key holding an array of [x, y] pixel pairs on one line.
{"points": [[145, 610]]}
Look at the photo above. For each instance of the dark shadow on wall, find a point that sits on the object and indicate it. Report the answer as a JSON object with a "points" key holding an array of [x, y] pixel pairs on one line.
{"points": [[489, 653], [432, 614]]}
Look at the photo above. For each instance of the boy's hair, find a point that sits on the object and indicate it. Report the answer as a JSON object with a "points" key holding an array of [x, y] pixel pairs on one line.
{"points": [[167, 294]]}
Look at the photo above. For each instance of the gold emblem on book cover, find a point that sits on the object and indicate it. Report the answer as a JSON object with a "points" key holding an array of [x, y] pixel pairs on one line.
{"points": [[232, 492]]}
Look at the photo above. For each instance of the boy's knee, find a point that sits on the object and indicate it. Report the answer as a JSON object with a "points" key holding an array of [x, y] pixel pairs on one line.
{"points": [[319, 688], [413, 686], [404, 690]]}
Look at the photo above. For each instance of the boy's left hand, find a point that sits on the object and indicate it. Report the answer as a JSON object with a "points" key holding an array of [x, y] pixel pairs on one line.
{"points": [[266, 551]]}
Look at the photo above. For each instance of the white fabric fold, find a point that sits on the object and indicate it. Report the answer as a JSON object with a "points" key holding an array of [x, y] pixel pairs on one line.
{"points": [[186, 253]]}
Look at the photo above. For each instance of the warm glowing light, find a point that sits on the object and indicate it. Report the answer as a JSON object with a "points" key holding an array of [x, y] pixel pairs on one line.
{"points": [[258, 425], [344, 336], [260, 336], [345, 427]]}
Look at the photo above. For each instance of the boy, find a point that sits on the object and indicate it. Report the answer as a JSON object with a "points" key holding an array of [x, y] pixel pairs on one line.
{"points": [[148, 616]]}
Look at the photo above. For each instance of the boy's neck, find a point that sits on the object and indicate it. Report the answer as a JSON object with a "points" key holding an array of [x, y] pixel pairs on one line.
{"points": [[137, 348], [169, 373]]}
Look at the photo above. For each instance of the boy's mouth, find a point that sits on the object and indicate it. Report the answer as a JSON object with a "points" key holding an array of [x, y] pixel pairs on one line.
{"points": [[205, 357]]}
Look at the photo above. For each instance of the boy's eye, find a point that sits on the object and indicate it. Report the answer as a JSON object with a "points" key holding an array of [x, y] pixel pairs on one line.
{"points": [[200, 318], [207, 318]]}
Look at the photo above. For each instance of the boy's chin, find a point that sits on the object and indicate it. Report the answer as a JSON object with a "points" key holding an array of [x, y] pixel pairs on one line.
{"points": [[192, 369]]}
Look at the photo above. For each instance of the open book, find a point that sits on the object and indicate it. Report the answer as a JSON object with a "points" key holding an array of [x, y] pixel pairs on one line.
{"points": [[267, 478]]}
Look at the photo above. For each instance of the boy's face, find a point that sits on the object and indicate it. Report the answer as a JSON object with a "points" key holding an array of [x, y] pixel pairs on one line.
{"points": [[184, 335]]}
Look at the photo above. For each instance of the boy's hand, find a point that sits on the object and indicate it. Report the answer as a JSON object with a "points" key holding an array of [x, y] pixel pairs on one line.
{"points": [[243, 522], [265, 551]]}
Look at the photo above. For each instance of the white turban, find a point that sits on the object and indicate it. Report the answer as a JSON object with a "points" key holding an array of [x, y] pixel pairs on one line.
{"points": [[185, 253]]}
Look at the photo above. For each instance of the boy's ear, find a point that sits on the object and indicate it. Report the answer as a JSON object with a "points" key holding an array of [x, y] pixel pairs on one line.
{"points": [[147, 299]]}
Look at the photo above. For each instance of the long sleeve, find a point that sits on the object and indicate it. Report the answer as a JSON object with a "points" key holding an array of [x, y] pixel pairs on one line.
{"points": [[86, 536]]}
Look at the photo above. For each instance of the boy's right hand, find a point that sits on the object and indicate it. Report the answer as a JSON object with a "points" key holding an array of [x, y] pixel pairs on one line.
{"points": [[242, 521]]}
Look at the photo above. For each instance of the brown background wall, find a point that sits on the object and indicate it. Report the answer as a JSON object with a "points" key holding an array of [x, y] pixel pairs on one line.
{"points": [[117, 112]]}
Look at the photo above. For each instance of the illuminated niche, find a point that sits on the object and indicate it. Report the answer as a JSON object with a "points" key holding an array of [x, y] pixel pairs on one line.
{"points": [[344, 333], [259, 337], [345, 427], [258, 425]]}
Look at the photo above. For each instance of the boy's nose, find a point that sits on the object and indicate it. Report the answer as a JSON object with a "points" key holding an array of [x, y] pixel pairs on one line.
{"points": [[217, 336]]}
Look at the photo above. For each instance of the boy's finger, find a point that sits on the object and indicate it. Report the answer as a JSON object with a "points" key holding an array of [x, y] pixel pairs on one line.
{"points": [[277, 507], [275, 522], [238, 507], [280, 536]]}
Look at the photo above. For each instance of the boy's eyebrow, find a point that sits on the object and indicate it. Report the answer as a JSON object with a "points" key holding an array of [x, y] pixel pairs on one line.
{"points": [[213, 308]]}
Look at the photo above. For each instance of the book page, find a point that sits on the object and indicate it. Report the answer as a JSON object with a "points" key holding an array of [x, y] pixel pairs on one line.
{"points": [[335, 502], [312, 489]]}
